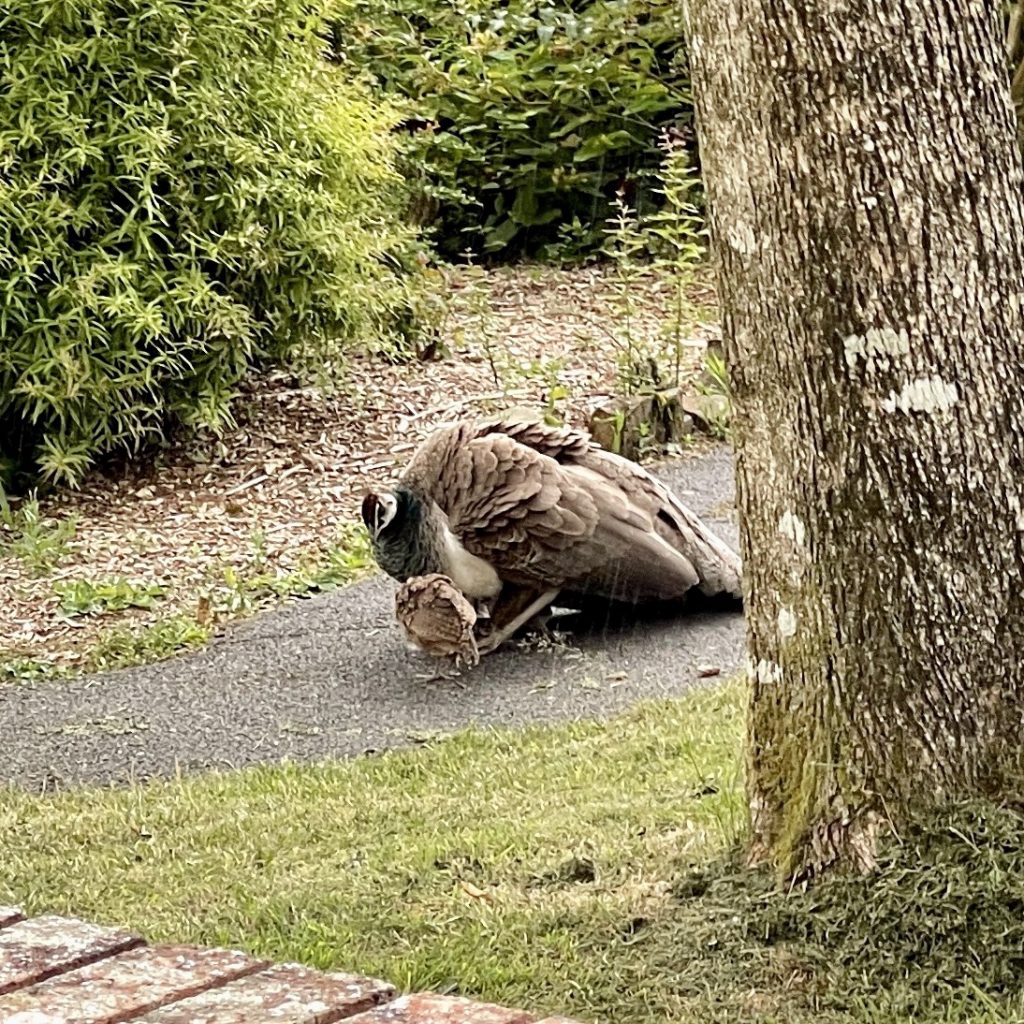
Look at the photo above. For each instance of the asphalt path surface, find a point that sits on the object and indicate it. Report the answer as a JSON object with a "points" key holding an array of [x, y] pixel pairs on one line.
{"points": [[331, 677]]}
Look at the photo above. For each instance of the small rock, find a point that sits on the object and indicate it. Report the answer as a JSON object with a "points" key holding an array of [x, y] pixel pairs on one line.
{"points": [[706, 671], [627, 425], [709, 411]]}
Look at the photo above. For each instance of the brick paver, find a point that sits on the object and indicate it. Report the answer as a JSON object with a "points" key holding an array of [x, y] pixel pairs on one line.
{"points": [[123, 987], [428, 1008], [31, 951], [8, 915], [284, 993], [57, 970]]}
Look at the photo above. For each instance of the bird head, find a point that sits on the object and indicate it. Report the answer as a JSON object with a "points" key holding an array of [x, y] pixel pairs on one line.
{"points": [[395, 522], [380, 511]]}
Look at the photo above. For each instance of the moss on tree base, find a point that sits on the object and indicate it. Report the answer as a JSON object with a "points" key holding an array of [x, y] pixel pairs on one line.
{"points": [[936, 933]]}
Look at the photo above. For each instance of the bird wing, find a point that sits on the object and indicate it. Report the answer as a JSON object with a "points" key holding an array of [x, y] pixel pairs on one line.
{"points": [[522, 496], [718, 567]]}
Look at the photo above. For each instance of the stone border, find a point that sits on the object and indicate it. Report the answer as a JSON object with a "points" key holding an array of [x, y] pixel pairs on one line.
{"points": [[58, 969]]}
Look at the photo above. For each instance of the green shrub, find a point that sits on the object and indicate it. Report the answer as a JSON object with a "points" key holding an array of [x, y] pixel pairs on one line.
{"points": [[525, 116], [187, 187]]}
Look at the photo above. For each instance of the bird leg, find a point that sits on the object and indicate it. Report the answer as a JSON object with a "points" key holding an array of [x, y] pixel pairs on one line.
{"points": [[509, 616], [469, 657], [494, 613]]}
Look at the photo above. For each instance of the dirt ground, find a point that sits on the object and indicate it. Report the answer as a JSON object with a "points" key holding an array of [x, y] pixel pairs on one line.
{"points": [[208, 528]]}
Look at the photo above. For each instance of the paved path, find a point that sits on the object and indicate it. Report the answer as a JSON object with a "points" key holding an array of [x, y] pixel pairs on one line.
{"points": [[331, 677]]}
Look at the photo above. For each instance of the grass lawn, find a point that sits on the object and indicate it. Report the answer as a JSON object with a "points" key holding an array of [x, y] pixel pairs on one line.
{"points": [[585, 869]]}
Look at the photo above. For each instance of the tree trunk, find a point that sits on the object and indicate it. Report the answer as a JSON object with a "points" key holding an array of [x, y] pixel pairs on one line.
{"points": [[865, 195]]}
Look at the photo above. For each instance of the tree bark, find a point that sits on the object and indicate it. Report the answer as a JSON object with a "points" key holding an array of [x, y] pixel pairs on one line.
{"points": [[865, 207]]}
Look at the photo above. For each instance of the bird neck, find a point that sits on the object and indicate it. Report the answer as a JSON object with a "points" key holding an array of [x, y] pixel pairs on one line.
{"points": [[417, 549]]}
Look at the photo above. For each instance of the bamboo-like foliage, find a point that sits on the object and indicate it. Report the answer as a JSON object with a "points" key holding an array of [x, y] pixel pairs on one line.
{"points": [[187, 187]]}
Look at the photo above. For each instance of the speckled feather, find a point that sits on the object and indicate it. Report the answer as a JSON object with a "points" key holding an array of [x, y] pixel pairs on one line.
{"points": [[437, 618]]}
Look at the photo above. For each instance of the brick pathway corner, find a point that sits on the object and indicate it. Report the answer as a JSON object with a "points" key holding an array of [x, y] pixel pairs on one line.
{"points": [[58, 970]]}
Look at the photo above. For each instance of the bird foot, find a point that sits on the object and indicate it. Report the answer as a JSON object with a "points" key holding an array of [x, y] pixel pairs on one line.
{"points": [[492, 639], [442, 675], [539, 626], [468, 658]]}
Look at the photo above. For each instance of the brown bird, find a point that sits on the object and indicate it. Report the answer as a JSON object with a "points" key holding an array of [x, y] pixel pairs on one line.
{"points": [[516, 512], [437, 618]]}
